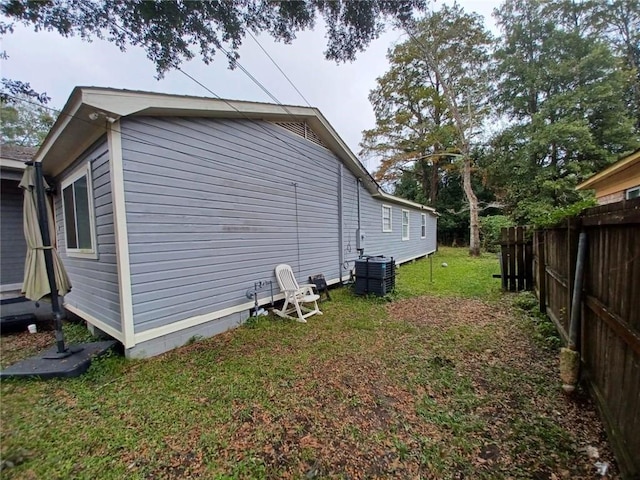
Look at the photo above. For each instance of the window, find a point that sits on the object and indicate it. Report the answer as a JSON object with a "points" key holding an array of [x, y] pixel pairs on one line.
{"points": [[386, 219], [77, 208], [405, 224], [423, 225], [632, 193]]}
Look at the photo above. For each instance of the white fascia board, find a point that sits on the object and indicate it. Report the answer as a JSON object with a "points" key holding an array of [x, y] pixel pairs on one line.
{"points": [[392, 198], [61, 124], [123, 103], [10, 164]]}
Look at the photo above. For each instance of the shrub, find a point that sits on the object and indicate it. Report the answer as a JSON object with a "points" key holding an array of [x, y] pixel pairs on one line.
{"points": [[490, 228]]}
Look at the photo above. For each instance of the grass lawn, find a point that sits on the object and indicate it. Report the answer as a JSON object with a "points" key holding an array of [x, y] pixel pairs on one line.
{"points": [[448, 380]]}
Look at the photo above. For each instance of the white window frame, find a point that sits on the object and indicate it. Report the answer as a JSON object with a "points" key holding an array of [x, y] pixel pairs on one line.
{"points": [[82, 171], [423, 225], [390, 229], [408, 224], [631, 190]]}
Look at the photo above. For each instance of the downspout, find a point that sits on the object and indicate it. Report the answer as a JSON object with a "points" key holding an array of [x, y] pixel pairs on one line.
{"points": [[359, 245], [569, 356], [576, 301], [358, 190], [340, 226]]}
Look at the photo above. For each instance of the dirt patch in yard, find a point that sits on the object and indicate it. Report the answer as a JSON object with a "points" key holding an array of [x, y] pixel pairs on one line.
{"points": [[16, 346], [526, 411]]}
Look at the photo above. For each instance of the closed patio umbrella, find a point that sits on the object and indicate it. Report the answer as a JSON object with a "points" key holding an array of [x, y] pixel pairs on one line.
{"points": [[44, 273], [36, 282]]}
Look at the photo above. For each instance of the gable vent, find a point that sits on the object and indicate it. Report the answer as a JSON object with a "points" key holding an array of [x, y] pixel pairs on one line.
{"points": [[302, 129]]}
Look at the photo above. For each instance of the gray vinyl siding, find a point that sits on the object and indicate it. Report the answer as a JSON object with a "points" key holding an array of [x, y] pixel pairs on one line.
{"points": [[94, 281], [13, 248], [211, 209], [389, 244]]}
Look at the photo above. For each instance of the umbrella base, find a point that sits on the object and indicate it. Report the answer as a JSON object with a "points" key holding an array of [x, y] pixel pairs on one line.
{"points": [[48, 365], [56, 355]]}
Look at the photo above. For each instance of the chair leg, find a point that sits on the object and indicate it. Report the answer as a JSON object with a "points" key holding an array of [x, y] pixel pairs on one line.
{"points": [[283, 313], [317, 309], [300, 318]]}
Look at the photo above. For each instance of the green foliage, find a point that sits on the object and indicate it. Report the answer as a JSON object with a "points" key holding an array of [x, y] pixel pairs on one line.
{"points": [[415, 127], [541, 214], [490, 231], [566, 94], [544, 331], [172, 32], [23, 123], [526, 301]]}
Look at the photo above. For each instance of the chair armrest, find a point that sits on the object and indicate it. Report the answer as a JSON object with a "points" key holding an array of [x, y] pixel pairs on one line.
{"points": [[309, 287]]}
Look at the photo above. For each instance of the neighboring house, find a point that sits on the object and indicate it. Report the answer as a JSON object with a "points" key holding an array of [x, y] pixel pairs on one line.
{"points": [[620, 181], [170, 208], [13, 248]]}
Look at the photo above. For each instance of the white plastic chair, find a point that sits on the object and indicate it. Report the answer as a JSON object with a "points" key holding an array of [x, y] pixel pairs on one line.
{"points": [[296, 296]]}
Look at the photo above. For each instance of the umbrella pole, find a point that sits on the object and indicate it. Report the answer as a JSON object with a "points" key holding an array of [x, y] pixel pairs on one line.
{"points": [[56, 308]]}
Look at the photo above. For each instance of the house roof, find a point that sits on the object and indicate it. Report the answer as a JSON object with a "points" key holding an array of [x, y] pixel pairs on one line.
{"points": [[620, 166], [12, 157], [84, 119]]}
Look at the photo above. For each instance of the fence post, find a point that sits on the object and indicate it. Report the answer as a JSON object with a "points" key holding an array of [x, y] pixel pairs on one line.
{"points": [[520, 257], [512, 259], [505, 258], [528, 259], [542, 273]]}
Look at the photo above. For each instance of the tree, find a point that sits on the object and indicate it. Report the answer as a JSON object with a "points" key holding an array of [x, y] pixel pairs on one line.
{"points": [[24, 122], [172, 32], [563, 91], [619, 22], [413, 129], [456, 51]]}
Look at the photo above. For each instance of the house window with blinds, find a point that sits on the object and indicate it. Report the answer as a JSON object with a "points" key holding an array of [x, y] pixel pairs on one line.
{"points": [[77, 208], [405, 224], [387, 225]]}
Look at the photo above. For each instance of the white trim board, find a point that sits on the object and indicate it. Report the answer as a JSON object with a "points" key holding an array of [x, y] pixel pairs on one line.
{"points": [[10, 287], [174, 327], [121, 233], [83, 170], [109, 330]]}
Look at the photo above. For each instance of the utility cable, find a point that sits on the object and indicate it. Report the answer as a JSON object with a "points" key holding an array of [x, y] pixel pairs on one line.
{"points": [[278, 67]]}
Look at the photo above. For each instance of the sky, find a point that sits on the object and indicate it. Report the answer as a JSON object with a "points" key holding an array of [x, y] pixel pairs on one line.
{"points": [[55, 65]]}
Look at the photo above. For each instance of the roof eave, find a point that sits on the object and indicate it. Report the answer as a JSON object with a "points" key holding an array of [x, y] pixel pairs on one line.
{"points": [[617, 167], [89, 109]]}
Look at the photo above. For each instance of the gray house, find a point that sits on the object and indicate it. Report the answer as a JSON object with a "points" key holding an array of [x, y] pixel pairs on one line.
{"points": [[170, 208], [13, 247]]}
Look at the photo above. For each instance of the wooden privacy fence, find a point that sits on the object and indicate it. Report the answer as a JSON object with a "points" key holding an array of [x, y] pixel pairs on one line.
{"points": [[609, 340], [516, 259]]}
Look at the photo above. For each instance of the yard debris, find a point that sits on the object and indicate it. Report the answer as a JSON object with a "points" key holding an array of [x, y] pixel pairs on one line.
{"points": [[602, 468], [592, 452]]}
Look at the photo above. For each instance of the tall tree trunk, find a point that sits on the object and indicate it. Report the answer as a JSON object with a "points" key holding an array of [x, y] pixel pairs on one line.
{"points": [[434, 182], [474, 224], [472, 199]]}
